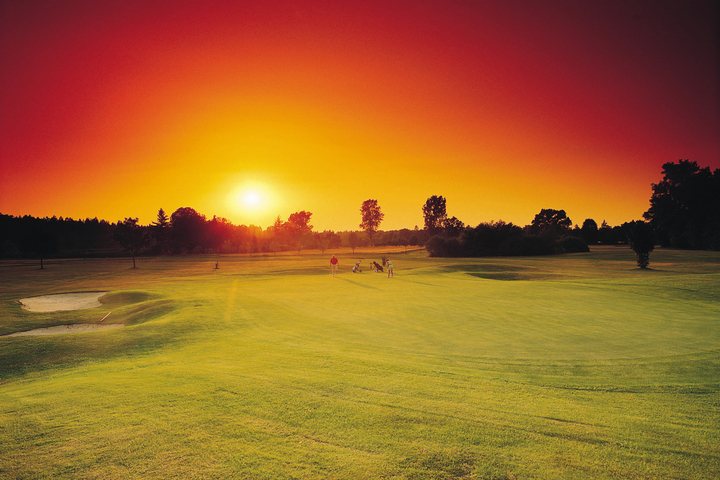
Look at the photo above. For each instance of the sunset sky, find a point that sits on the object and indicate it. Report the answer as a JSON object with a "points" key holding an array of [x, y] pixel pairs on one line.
{"points": [[250, 110]]}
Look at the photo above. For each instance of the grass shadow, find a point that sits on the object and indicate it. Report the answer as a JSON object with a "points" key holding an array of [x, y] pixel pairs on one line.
{"points": [[358, 283]]}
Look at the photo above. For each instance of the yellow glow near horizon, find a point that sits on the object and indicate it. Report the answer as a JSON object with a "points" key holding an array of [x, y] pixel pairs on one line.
{"points": [[253, 201]]}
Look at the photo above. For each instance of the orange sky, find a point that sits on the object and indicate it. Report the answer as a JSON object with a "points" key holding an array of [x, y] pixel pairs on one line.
{"points": [[115, 109]]}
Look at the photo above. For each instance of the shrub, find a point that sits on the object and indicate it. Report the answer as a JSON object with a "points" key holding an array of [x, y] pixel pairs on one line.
{"points": [[571, 244], [437, 246]]}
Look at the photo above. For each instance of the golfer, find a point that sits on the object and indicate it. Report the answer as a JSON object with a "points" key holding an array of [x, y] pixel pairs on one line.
{"points": [[333, 265], [390, 269]]}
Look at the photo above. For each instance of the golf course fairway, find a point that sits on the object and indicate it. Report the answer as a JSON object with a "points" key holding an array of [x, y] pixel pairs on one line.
{"points": [[561, 367]]}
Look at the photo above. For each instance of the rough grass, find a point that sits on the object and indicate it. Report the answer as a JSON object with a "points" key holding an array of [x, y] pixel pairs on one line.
{"points": [[578, 366]]}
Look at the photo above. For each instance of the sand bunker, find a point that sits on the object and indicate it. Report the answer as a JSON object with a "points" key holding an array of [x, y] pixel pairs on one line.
{"points": [[62, 301], [61, 329]]}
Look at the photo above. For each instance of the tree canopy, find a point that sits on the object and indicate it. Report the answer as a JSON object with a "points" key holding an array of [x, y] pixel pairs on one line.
{"points": [[685, 207], [435, 214], [589, 231], [188, 227], [551, 222], [641, 239], [41, 242], [130, 236], [453, 226], [371, 217]]}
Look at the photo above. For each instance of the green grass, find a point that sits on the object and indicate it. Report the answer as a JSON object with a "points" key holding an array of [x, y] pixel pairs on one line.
{"points": [[578, 366]]}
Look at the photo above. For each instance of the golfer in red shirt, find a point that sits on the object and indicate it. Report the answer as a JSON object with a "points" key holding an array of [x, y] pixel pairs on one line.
{"points": [[334, 264]]}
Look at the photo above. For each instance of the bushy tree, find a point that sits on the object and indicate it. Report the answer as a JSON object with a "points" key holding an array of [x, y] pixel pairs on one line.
{"points": [[277, 232], [130, 236], [187, 229], [41, 242], [404, 237], [217, 231], [160, 229], [439, 246], [321, 243], [354, 241], [453, 227], [492, 238], [300, 222], [371, 217], [641, 239], [327, 239], [589, 231], [296, 233], [434, 214], [571, 244], [685, 206], [502, 239], [551, 222], [298, 228], [608, 235]]}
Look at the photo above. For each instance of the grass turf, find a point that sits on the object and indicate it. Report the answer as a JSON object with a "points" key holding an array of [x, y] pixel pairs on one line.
{"points": [[578, 366]]}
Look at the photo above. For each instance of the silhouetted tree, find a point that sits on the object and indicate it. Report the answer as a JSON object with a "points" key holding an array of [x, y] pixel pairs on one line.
{"points": [[321, 243], [453, 227], [611, 235], [641, 239], [300, 221], [41, 242], [371, 218], [685, 206], [492, 239], [325, 240], [298, 228], [551, 222], [187, 229], [404, 237], [502, 239], [571, 244], [439, 246], [217, 231], [589, 231], [277, 232], [434, 214], [160, 230], [354, 241], [130, 236], [334, 239]]}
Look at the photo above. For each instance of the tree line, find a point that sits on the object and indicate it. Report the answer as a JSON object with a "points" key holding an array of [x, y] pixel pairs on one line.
{"points": [[550, 232], [185, 231], [684, 213]]}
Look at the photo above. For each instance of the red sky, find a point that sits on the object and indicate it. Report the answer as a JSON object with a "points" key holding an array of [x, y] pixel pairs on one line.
{"points": [[115, 109]]}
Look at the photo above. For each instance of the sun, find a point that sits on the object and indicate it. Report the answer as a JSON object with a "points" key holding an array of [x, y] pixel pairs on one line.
{"points": [[252, 199], [253, 202]]}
